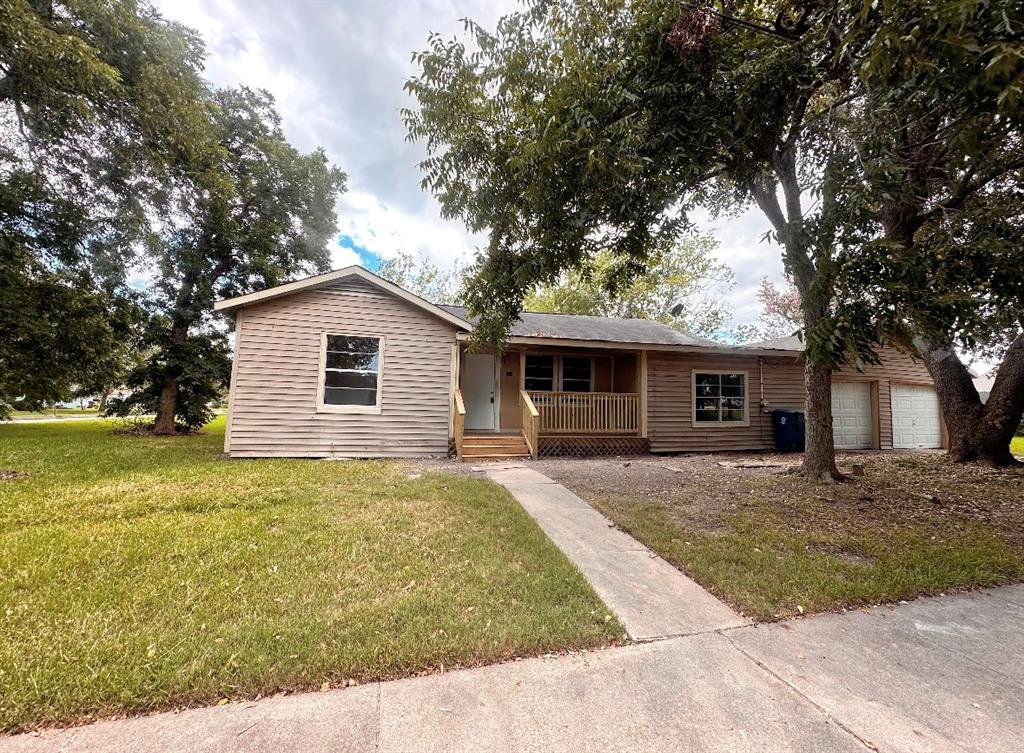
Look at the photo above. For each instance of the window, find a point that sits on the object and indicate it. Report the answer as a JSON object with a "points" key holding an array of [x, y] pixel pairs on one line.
{"points": [[350, 377], [540, 373], [719, 397], [576, 373]]}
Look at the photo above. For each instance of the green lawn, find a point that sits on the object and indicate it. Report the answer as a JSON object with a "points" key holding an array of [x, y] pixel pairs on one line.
{"points": [[144, 572], [1017, 446]]}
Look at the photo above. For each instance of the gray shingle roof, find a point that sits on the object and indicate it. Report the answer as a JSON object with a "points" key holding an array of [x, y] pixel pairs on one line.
{"points": [[605, 329], [792, 343]]}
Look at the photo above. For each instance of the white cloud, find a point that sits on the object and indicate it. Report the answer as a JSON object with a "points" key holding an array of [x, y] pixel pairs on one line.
{"points": [[386, 230]]}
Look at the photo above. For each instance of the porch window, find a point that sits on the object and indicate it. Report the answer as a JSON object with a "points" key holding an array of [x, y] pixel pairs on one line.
{"points": [[540, 373], [576, 374], [350, 374], [719, 397]]}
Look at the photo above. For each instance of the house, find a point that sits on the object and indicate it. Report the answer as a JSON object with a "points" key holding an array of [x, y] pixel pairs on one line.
{"points": [[346, 364]]}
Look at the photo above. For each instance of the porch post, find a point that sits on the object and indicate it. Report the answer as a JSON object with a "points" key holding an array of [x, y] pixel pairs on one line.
{"points": [[642, 383]]}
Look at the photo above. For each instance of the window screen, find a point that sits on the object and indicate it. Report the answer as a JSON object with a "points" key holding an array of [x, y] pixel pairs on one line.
{"points": [[719, 398], [576, 374], [352, 370], [540, 373]]}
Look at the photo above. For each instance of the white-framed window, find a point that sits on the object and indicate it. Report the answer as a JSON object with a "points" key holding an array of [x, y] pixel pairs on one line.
{"points": [[351, 373], [539, 374], [577, 373], [719, 397]]}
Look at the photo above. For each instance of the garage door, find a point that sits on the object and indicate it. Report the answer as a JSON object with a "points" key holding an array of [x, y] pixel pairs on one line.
{"points": [[851, 415], [915, 417]]}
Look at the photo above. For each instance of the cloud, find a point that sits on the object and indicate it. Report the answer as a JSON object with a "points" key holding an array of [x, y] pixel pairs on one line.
{"points": [[337, 72]]}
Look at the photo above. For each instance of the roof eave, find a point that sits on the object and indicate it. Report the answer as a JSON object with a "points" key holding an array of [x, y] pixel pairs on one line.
{"points": [[230, 305]]}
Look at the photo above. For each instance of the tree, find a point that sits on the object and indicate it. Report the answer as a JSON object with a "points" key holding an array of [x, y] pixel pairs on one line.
{"points": [[98, 104], [577, 128], [258, 214], [780, 314], [424, 278], [682, 290], [940, 173], [583, 125]]}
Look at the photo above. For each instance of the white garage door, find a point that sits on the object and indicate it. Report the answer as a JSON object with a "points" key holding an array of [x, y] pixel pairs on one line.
{"points": [[851, 415], [915, 417]]}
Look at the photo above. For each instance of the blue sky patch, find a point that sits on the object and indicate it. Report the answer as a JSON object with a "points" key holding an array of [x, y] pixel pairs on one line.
{"points": [[367, 258]]}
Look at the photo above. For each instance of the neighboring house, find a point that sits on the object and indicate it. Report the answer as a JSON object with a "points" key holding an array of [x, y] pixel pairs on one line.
{"points": [[346, 364]]}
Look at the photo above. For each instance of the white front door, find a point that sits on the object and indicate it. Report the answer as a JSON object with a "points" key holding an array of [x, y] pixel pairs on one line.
{"points": [[916, 421], [478, 391], [852, 427]]}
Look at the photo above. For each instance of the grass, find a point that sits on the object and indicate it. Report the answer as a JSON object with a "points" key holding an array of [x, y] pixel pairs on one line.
{"points": [[774, 545], [1017, 446], [145, 572]]}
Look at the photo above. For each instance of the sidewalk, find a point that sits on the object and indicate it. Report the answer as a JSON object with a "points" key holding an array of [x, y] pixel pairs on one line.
{"points": [[651, 598]]}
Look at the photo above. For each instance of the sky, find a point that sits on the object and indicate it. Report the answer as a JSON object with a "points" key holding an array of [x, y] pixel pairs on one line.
{"points": [[337, 69]]}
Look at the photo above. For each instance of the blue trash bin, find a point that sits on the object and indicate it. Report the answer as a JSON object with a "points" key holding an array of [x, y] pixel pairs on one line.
{"points": [[789, 430]]}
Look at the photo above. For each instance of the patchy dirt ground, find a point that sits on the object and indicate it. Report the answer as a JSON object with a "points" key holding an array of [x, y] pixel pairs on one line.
{"points": [[700, 490], [773, 544]]}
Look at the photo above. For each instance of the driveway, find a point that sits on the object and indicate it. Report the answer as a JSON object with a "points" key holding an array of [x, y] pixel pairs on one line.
{"points": [[933, 675]]}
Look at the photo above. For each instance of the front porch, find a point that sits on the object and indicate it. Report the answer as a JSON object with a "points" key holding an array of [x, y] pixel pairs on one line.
{"points": [[549, 401]]}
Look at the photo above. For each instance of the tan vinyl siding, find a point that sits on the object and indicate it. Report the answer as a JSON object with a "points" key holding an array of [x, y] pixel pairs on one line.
{"points": [[670, 397], [273, 405]]}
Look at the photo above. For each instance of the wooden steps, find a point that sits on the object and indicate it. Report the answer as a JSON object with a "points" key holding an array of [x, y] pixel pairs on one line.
{"points": [[494, 446]]}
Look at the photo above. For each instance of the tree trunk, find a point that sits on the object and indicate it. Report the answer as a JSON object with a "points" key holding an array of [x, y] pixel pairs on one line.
{"points": [[978, 431], [819, 452], [166, 409]]}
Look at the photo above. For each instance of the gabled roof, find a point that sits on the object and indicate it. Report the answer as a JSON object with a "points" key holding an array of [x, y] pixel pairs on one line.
{"points": [[531, 325], [596, 328], [792, 343], [319, 281]]}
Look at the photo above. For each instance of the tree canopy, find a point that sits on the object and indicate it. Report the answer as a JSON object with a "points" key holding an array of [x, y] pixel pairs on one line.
{"points": [[574, 129], [101, 104], [682, 289], [264, 213]]}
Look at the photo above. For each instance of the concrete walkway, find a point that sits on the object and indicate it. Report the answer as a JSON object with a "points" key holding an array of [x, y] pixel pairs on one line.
{"points": [[934, 675], [651, 598]]}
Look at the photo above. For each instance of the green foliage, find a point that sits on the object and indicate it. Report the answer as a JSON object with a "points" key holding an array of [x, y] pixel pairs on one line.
{"points": [[681, 289], [939, 173], [424, 278], [578, 128], [100, 105], [262, 213]]}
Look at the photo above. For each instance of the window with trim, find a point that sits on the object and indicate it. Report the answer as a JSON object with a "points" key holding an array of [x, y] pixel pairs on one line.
{"points": [[540, 373], [576, 373], [719, 397], [351, 372]]}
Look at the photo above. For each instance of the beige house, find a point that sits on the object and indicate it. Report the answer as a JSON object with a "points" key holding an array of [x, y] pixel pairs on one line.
{"points": [[346, 364]]}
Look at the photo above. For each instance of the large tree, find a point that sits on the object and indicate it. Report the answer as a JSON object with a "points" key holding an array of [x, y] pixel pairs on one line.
{"points": [[582, 128], [682, 289], [939, 174], [578, 127], [101, 103], [259, 214]]}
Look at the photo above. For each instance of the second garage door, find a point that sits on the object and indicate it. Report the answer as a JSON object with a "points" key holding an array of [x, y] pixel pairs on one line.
{"points": [[852, 427], [916, 420]]}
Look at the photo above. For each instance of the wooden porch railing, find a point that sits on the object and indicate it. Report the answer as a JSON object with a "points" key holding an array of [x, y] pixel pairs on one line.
{"points": [[531, 422], [459, 424], [588, 412]]}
